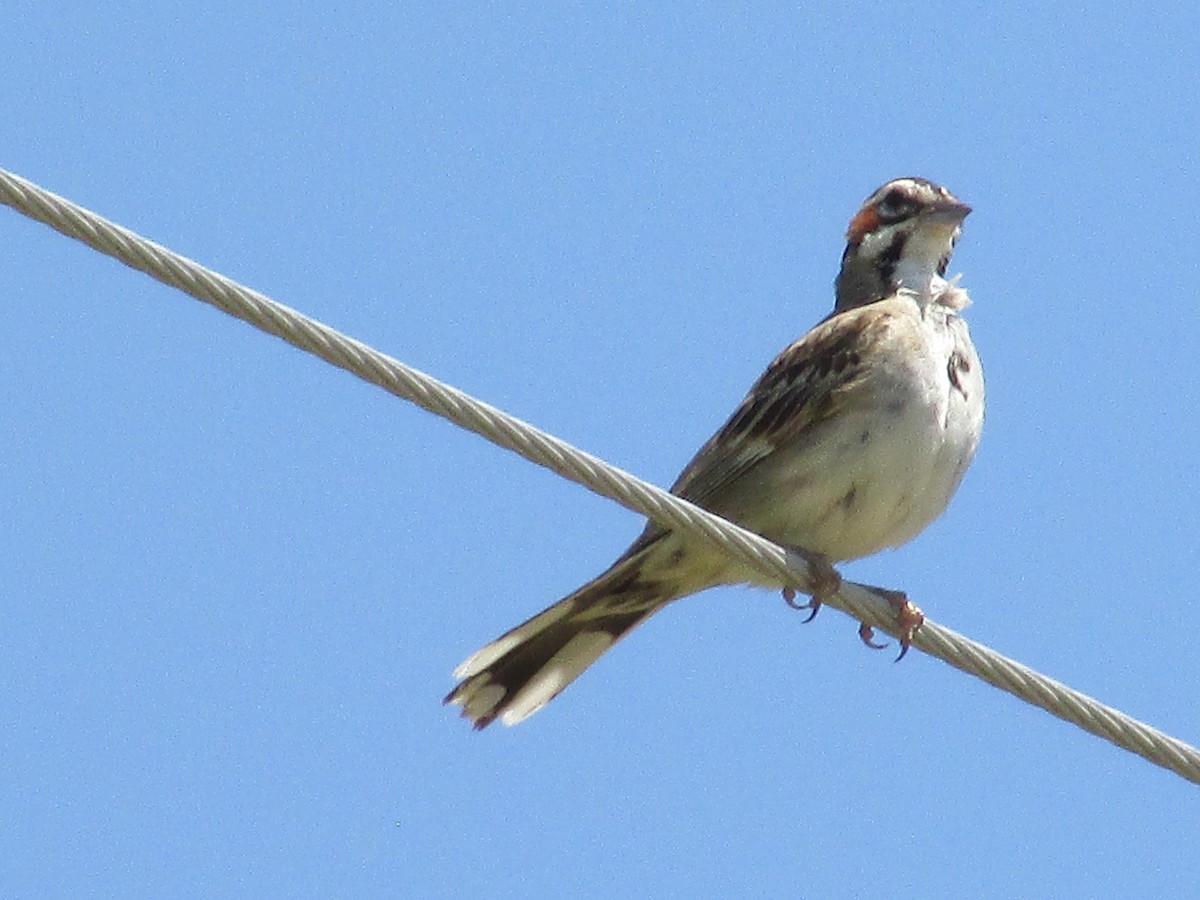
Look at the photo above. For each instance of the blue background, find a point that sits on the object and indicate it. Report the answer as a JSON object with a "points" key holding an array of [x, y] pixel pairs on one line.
{"points": [[235, 580]]}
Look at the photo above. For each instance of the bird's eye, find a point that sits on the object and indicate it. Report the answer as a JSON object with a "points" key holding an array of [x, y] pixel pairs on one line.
{"points": [[894, 205]]}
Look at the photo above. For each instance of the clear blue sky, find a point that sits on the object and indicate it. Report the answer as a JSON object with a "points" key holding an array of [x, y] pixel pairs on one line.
{"points": [[235, 580]]}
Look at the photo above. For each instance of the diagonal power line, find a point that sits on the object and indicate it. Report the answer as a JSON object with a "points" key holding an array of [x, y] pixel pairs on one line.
{"points": [[776, 565]]}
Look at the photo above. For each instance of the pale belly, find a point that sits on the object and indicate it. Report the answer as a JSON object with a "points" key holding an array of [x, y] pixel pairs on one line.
{"points": [[878, 486], [878, 474]]}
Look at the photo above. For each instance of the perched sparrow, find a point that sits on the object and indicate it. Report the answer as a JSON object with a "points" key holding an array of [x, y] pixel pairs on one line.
{"points": [[853, 440]]}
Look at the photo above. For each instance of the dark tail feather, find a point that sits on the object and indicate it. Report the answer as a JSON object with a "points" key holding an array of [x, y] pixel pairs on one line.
{"points": [[520, 672]]}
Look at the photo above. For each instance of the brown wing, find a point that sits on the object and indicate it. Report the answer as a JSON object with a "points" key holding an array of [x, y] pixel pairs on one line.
{"points": [[807, 383]]}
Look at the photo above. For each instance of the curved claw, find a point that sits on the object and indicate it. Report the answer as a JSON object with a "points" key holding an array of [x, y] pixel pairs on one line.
{"points": [[909, 619], [814, 605], [867, 634], [826, 581]]}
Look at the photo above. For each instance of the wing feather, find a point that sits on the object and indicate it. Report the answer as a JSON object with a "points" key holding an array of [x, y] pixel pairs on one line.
{"points": [[813, 379], [810, 381]]}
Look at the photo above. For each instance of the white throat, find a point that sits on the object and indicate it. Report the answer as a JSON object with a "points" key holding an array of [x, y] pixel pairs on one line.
{"points": [[917, 268], [918, 276]]}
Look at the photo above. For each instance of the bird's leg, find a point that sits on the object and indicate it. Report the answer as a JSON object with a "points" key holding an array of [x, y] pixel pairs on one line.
{"points": [[908, 619], [826, 581]]}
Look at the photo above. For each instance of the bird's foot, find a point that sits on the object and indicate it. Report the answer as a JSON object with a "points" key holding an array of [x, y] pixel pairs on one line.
{"points": [[826, 581], [909, 618]]}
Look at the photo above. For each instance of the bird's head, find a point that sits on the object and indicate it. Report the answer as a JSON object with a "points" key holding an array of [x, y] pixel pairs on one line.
{"points": [[902, 238]]}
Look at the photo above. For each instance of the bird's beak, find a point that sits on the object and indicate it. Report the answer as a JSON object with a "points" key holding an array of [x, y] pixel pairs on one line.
{"points": [[951, 212]]}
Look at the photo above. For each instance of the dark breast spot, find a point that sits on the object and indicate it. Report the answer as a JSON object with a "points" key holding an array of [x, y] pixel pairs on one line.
{"points": [[957, 365]]}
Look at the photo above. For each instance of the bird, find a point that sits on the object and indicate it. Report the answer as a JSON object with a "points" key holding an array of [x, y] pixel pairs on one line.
{"points": [[852, 441]]}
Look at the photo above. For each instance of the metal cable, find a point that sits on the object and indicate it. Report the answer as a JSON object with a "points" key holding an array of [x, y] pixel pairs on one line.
{"points": [[777, 565]]}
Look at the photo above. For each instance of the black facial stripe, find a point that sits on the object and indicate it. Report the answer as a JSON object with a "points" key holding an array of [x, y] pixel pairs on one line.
{"points": [[896, 205], [907, 197], [890, 257]]}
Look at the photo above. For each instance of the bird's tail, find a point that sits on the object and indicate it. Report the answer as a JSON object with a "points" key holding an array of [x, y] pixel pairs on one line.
{"points": [[520, 672]]}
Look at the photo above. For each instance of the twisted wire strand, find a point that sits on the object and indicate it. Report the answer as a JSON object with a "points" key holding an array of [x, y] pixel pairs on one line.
{"points": [[777, 565]]}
